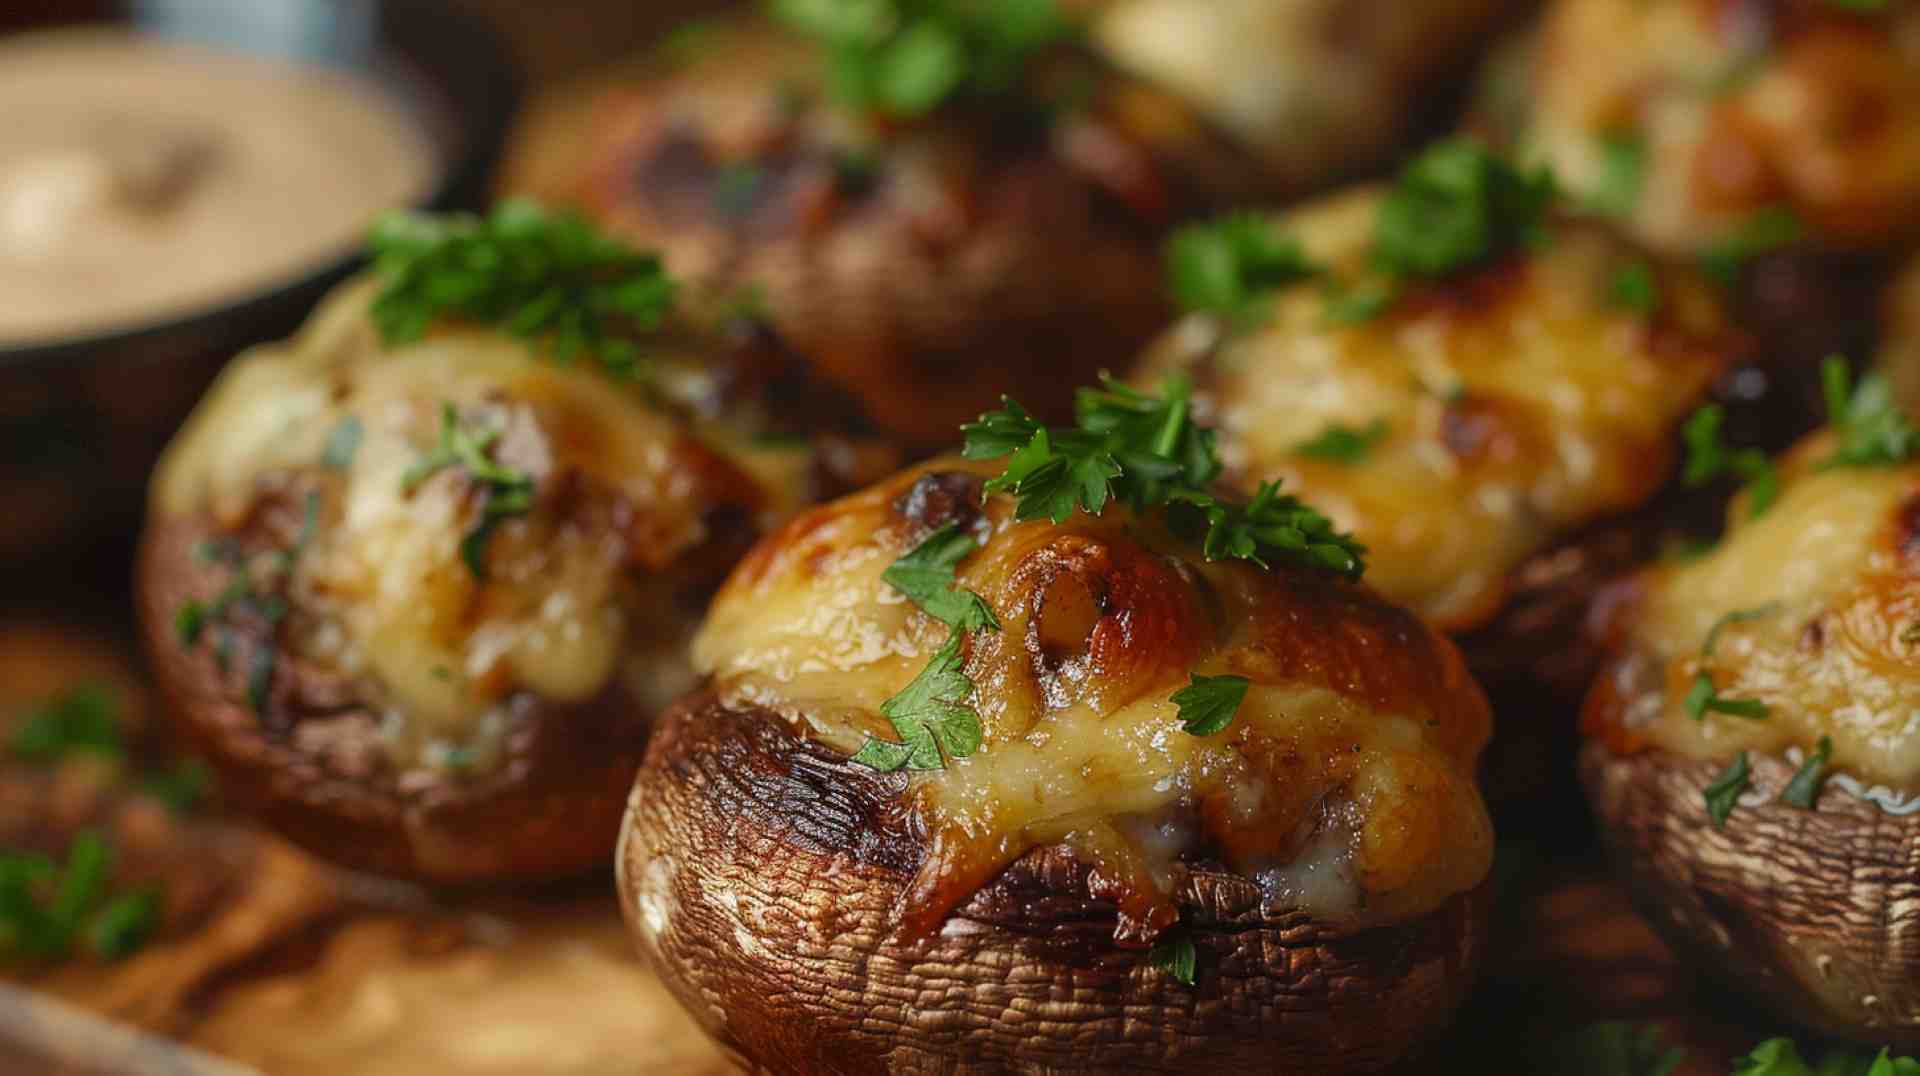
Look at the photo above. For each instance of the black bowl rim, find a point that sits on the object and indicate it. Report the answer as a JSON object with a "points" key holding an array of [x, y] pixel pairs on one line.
{"points": [[484, 123]]}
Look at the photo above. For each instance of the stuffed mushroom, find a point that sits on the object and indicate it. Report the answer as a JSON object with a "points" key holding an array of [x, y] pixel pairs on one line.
{"points": [[417, 588], [1753, 758], [983, 780]]}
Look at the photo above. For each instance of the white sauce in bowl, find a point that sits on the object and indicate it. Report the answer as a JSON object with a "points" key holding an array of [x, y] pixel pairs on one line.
{"points": [[143, 179]]}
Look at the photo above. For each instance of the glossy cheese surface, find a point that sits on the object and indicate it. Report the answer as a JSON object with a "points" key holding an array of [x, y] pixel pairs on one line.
{"points": [[1345, 784], [1828, 585], [579, 585], [1740, 105], [1516, 403]]}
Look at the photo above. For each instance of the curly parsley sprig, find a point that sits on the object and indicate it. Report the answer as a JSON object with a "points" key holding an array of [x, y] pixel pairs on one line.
{"points": [[1873, 430], [1144, 451], [508, 492], [546, 276]]}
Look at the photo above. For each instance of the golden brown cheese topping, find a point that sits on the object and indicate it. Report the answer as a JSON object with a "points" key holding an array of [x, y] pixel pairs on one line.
{"points": [[1732, 107], [1344, 786], [1314, 88], [387, 588], [1818, 606], [1506, 408]]}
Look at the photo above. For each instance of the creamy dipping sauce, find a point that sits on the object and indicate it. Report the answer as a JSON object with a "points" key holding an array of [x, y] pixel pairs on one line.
{"points": [[143, 179]]}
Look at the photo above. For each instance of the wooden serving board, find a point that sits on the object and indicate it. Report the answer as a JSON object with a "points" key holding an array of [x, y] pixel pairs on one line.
{"points": [[273, 962]]}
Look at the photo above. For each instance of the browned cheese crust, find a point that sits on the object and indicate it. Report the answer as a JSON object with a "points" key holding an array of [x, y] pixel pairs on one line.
{"points": [[1322, 852], [764, 874], [926, 269], [1809, 610], [380, 684]]}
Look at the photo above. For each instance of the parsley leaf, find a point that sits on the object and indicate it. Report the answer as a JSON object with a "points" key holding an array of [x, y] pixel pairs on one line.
{"points": [[906, 58], [1704, 698], [1634, 287], [82, 720], [931, 716], [1614, 1048], [1623, 174], [1709, 458], [1723, 795], [1873, 430], [1455, 206], [1207, 704], [1177, 957], [1780, 1057], [44, 909], [1804, 789], [1356, 305], [1764, 232], [545, 276], [181, 788], [1230, 266], [926, 576], [508, 492], [1341, 443], [1146, 450]]}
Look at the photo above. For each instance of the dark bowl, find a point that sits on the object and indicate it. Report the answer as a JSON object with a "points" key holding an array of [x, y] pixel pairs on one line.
{"points": [[83, 418]]}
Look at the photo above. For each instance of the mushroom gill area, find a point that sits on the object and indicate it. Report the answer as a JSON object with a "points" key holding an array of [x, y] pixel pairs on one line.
{"points": [[1343, 786]]}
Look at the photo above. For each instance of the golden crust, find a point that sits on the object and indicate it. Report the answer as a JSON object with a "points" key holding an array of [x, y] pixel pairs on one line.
{"points": [[762, 874]]}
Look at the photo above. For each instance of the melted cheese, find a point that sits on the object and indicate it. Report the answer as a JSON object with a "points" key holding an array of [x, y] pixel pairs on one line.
{"points": [[1315, 87], [1345, 784], [1810, 108], [1519, 406], [382, 592], [1834, 657]]}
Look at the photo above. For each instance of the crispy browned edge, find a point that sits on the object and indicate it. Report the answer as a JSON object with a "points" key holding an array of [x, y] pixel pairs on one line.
{"points": [[551, 810], [761, 873], [1814, 914]]}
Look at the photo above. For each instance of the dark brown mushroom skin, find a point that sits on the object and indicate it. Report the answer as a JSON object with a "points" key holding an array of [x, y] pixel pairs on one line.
{"points": [[1808, 912], [761, 874]]}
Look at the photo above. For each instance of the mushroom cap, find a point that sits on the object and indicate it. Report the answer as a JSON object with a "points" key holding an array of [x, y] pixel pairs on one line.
{"points": [[761, 874], [1809, 913]]}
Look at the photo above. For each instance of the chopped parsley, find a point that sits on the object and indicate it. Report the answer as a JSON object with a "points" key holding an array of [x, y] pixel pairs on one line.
{"points": [[1779, 1057], [1341, 443], [1458, 205], [1348, 305], [1709, 458], [1146, 450], [507, 492], [1873, 431], [1804, 789], [545, 276], [251, 590], [1723, 795], [45, 909], [1635, 288], [83, 720], [1763, 233], [1704, 698], [1177, 957], [1207, 704], [1615, 1048], [1623, 174], [343, 444], [181, 788], [1230, 266], [906, 58], [932, 714]]}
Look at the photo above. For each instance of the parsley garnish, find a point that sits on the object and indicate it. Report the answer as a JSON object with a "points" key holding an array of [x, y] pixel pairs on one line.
{"points": [[545, 276], [1356, 306], [342, 444], [1807, 781], [508, 492], [1779, 1057], [1709, 458], [1207, 704], [1623, 173], [1342, 443], [181, 788], [1458, 205], [1229, 266], [1704, 697], [1613, 1048], [905, 58], [1146, 450], [1723, 795], [1764, 232], [84, 719], [1177, 957], [931, 714], [44, 909], [1634, 287], [1873, 430]]}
